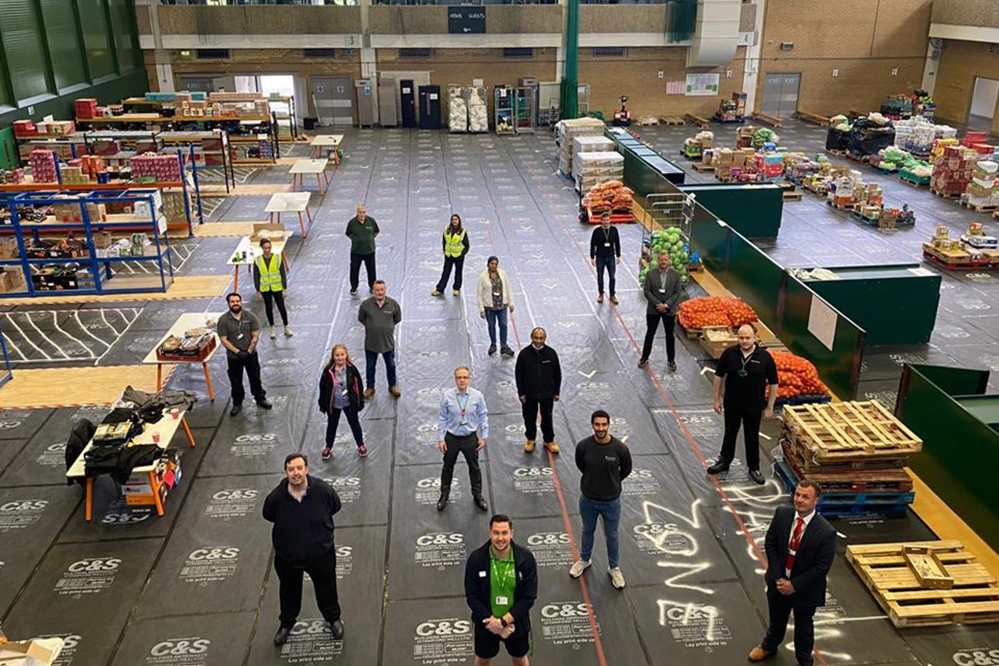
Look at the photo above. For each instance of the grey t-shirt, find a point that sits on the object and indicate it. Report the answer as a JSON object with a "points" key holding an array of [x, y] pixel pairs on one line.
{"points": [[239, 332], [379, 324]]}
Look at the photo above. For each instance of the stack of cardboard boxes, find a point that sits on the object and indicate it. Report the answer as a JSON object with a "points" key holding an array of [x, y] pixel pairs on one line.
{"points": [[982, 191], [568, 130], [43, 166], [953, 170], [86, 109], [156, 168], [694, 147], [727, 159]]}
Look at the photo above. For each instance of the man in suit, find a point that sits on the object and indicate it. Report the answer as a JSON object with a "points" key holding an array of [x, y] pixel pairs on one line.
{"points": [[663, 288], [800, 547]]}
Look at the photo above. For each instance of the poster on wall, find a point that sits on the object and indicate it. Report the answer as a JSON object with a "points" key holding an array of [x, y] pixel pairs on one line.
{"points": [[675, 87], [822, 321], [702, 84]]}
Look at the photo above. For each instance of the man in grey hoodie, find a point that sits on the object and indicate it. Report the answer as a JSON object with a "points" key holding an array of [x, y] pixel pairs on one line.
{"points": [[663, 289]]}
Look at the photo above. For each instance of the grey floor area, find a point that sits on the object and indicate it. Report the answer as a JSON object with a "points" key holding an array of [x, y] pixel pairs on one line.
{"points": [[195, 587]]}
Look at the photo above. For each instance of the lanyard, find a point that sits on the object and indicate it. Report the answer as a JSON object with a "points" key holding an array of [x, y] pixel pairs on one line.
{"points": [[462, 406], [607, 235], [745, 361], [507, 566]]}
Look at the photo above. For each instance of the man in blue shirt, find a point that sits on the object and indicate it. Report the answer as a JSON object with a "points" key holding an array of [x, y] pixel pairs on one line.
{"points": [[464, 428]]}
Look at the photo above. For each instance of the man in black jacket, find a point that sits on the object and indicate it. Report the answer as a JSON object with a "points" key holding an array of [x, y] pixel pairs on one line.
{"points": [[663, 289], [501, 585], [539, 382], [605, 252], [800, 548], [302, 509]]}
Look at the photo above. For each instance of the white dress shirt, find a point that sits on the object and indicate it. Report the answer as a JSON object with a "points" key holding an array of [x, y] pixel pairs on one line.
{"points": [[807, 519]]}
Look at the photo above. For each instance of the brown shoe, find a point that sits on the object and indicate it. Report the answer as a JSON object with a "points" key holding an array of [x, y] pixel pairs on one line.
{"points": [[759, 654], [551, 446], [368, 392], [395, 391], [613, 299], [600, 298], [529, 446]]}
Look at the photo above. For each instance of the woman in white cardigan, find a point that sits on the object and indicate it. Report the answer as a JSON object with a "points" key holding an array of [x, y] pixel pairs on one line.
{"points": [[495, 298]]}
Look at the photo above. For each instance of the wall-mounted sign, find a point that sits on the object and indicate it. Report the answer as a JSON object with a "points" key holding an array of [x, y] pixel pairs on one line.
{"points": [[466, 20], [702, 84]]}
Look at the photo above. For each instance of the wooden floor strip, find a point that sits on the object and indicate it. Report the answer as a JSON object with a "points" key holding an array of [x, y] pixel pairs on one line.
{"points": [[225, 229], [46, 388], [268, 189], [184, 286]]}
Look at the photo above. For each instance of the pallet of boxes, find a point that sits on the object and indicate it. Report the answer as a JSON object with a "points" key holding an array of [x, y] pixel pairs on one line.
{"points": [[694, 146], [734, 165], [952, 171], [982, 193], [855, 450], [974, 250], [567, 131]]}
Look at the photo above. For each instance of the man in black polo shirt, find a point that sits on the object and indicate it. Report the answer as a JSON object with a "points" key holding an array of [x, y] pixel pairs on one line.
{"points": [[745, 370], [605, 252], [501, 585], [302, 509]]}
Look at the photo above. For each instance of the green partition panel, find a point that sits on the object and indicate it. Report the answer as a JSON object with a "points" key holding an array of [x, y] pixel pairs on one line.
{"points": [[755, 278], [838, 367], [710, 237], [960, 453], [956, 381], [754, 210]]}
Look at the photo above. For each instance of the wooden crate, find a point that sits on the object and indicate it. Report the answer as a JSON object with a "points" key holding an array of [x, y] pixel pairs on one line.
{"points": [[927, 583], [848, 431], [716, 339]]}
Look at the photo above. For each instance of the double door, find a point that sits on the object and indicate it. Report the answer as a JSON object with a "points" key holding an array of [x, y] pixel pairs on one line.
{"points": [[332, 97], [780, 94]]}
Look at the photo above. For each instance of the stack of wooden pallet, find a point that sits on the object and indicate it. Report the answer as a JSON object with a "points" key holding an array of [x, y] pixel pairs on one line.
{"points": [[855, 450], [927, 583]]}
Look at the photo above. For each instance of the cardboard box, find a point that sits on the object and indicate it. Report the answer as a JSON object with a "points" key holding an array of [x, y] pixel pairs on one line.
{"points": [[272, 231], [37, 652]]}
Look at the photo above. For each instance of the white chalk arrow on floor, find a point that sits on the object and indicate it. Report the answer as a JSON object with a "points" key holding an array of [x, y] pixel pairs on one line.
{"points": [[549, 284], [588, 376], [703, 370]]}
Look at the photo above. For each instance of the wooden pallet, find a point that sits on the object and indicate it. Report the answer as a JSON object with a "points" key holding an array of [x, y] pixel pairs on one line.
{"points": [[672, 120], [927, 583], [792, 195], [767, 118], [892, 480], [945, 195], [701, 167], [697, 120], [847, 207], [977, 208], [837, 153], [912, 183], [803, 461], [861, 430], [949, 266], [813, 118]]}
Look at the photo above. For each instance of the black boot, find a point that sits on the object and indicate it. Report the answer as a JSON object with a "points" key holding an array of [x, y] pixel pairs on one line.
{"points": [[442, 502], [281, 637], [718, 467]]}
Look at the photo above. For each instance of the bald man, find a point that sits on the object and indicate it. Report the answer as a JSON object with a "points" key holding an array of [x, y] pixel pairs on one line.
{"points": [[743, 372]]}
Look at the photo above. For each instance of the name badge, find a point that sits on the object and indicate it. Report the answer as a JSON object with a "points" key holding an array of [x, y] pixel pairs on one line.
{"points": [[482, 574], [240, 336], [606, 244], [502, 601], [343, 392], [662, 290]]}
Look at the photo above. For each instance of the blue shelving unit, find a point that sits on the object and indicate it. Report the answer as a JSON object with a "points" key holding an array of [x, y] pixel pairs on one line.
{"points": [[96, 268]]}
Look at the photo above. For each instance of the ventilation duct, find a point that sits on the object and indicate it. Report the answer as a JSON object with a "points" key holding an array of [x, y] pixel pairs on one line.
{"points": [[716, 33]]}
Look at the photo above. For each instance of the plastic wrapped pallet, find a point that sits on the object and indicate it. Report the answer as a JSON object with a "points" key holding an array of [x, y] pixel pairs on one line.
{"points": [[457, 110], [591, 169], [568, 130], [478, 115]]}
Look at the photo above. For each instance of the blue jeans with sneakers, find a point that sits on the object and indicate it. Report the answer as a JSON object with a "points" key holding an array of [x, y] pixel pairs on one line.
{"points": [[611, 513]]}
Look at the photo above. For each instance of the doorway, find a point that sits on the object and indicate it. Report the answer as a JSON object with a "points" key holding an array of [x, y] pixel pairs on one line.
{"points": [[983, 103], [333, 99], [780, 94]]}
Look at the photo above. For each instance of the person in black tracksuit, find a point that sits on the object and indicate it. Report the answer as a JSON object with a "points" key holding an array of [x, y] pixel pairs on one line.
{"points": [[341, 391], [605, 253], [539, 382]]}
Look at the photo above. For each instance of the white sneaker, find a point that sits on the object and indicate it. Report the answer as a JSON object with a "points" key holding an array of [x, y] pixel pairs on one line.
{"points": [[617, 578], [578, 568], [272, 333], [288, 332]]}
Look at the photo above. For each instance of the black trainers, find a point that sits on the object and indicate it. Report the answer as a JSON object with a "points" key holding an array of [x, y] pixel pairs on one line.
{"points": [[236, 409], [441, 502], [506, 351], [353, 292], [492, 350], [481, 503], [263, 404], [336, 629], [281, 637], [672, 366], [642, 362], [718, 467], [757, 476]]}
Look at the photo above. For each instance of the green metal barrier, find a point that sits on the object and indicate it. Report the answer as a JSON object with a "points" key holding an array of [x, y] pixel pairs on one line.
{"points": [[960, 452], [756, 278], [754, 210]]}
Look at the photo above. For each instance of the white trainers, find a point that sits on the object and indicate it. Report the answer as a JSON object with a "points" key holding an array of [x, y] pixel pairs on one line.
{"points": [[617, 578], [288, 332], [578, 568], [273, 334]]}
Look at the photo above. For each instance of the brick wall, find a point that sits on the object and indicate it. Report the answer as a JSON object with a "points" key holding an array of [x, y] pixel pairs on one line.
{"points": [[960, 63], [864, 39]]}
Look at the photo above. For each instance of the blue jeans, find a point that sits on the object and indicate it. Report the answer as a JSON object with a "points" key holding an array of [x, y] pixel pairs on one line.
{"points": [[371, 359], [492, 317], [611, 512], [611, 265]]}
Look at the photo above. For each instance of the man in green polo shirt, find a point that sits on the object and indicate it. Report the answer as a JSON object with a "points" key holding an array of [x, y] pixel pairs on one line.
{"points": [[501, 585], [361, 230]]}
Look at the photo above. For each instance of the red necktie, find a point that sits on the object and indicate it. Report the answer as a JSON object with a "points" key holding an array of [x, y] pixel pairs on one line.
{"points": [[795, 542]]}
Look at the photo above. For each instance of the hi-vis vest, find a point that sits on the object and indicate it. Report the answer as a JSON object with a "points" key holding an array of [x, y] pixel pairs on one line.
{"points": [[454, 244], [270, 276]]}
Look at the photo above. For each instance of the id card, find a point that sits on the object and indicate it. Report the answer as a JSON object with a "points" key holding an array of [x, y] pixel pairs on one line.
{"points": [[502, 601], [662, 290], [606, 244]]}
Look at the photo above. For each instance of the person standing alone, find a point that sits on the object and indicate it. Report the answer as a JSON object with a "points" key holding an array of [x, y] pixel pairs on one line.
{"points": [[464, 429], [800, 548], [270, 280], [743, 371], [605, 253], [341, 391], [539, 382], [239, 333], [302, 509], [362, 230], [379, 315], [662, 289], [456, 245], [495, 298], [605, 462]]}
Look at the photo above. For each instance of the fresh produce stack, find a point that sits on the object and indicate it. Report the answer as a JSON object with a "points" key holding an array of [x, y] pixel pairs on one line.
{"points": [[698, 313], [798, 379], [669, 240], [765, 135], [855, 450], [612, 196]]}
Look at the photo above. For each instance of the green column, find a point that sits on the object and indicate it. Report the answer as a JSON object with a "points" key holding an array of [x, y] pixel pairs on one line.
{"points": [[569, 98]]}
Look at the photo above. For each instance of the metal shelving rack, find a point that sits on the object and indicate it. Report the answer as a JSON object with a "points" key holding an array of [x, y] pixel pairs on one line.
{"points": [[525, 109], [504, 119], [101, 270], [292, 119]]}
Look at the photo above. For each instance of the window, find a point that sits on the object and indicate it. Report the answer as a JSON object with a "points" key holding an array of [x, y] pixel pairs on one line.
{"points": [[213, 54], [518, 53], [318, 53], [415, 53], [608, 52]]}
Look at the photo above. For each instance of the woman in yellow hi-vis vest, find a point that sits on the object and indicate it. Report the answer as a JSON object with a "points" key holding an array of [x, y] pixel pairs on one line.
{"points": [[456, 246], [270, 281]]}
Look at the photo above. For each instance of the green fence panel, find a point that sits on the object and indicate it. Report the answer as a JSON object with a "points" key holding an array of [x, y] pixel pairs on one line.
{"points": [[64, 42], [838, 367], [755, 278], [710, 237], [960, 453], [754, 211], [955, 381], [24, 47]]}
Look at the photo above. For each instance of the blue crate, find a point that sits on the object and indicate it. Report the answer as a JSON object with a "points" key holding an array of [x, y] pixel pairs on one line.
{"points": [[841, 504]]}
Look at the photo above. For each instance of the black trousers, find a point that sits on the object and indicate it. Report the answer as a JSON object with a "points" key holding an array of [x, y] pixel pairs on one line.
{"points": [[270, 298], [750, 422], [781, 608], [458, 263], [530, 410], [467, 447], [355, 269], [651, 326], [252, 365], [323, 574]]}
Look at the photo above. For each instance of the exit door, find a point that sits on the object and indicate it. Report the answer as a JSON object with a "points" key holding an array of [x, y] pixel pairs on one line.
{"points": [[780, 94], [332, 97]]}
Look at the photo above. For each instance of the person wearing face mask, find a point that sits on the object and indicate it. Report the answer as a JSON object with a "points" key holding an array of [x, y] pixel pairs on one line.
{"points": [[270, 280], [743, 371], [663, 289], [539, 382], [239, 332], [456, 245], [379, 316], [341, 391], [495, 299], [464, 429], [362, 230], [605, 253]]}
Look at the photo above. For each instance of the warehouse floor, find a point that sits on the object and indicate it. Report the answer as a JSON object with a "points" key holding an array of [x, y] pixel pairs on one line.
{"points": [[195, 587]]}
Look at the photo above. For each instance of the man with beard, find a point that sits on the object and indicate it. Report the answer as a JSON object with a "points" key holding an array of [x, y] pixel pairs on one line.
{"points": [[239, 333]]}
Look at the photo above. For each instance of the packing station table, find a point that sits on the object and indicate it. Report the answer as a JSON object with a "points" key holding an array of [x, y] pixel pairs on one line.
{"points": [[314, 166], [291, 202], [329, 143], [186, 322], [247, 252]]}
